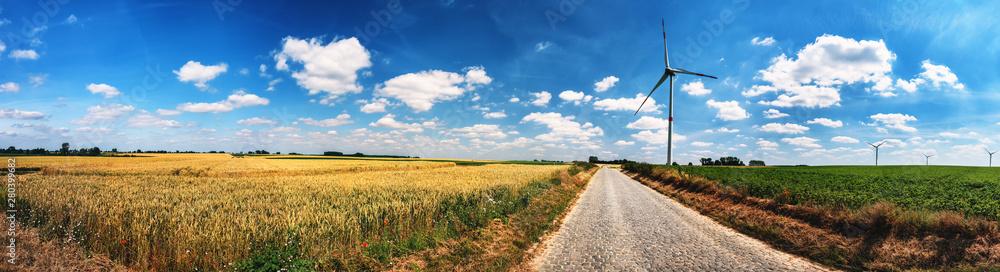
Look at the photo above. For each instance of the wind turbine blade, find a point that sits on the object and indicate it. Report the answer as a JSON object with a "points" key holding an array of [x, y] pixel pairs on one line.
{"points": [[665, 59], [682, 71], [662, 78]]}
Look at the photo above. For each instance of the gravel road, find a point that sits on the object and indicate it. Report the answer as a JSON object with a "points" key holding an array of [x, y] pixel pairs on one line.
{"points": [[621, 225]]}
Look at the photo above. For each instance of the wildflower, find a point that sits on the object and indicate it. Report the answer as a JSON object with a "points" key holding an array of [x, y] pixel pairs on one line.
{"points": [[335, 255], [385, 222], [364, 244], [123, 241], [785, 192]]}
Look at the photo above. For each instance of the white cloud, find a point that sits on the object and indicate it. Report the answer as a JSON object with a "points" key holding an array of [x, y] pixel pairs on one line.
{"points": [[494, 115], [42, 128], [9, 87], [605, 84], [949, 134], [895, 121], [520, 142], [773, 113], [570, 95], [256, 121], [234, 101], [479, 131], [909, 86], [649, 122], [332, 122], [541, 98], [826, 122], [421, 90], [38, 80], [108, 113], [786, 128], [103, 89], [331, 68], [767, 145], [813, 79], [377, 105], [695, 88], [17, 114], [562, 127], [658, 137], [726, 130], [728, 110], [71, 19], [802, 141], [762, 42], [844, 139], [163, 112], [938, 74], [514, 100], [701, 144], [2, 45], [272, 83], [388, 121], [543, 45], [23, 54], [623, 143], [145, 119], [628, 104], [193, 71]]}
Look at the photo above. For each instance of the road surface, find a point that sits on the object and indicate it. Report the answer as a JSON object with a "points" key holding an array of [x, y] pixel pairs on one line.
{"points": [[619, 224]]}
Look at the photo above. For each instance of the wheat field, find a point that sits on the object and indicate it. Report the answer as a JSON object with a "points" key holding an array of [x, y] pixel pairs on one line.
{"points": [[209, 211]]}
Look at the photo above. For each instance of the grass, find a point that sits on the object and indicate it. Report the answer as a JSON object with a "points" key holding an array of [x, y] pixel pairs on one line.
{"points": [[456, 162], [210, 211], [874, 236]]}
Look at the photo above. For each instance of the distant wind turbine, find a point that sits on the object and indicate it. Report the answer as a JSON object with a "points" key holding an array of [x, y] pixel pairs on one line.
{"points": [[668, 73], [991, 156], [876, 149], [928, 158]]}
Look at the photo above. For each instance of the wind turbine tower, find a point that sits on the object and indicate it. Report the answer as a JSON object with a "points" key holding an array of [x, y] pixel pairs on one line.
{"points": [[669, 73], [991, 156], [876, 150], [928, 158]]}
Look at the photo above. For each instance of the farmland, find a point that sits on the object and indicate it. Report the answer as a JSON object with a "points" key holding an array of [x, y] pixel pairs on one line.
{"points": [[212, 211], [970, 190]]}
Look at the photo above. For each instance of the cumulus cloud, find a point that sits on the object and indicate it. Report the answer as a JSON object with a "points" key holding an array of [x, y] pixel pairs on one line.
{"points": [[657, 137], [479, 131], [773, 113], [802, 141], [514, 100], [42, 128], [844, 139], [163, 112], [494, 115], [938, 74], [562, 127], [814, 77], [762, 42], [695, 88], [145, 119], [236, 100], [103, 89], [728, 110], [628, 104], [421, 90], [17, 114], [826, 122], [726, 130], [767, 145], [605, 84], [649, 122], [784, 128], [541, 98], [38, 80], [543, 45], [193, 71], [332, 122], [331, 69], [9, 87], [256, 121], [107, 113], [389, 121], [575, 97], [701, 144], [377, 105], [23, 54], [624, 143], [895, 121]]}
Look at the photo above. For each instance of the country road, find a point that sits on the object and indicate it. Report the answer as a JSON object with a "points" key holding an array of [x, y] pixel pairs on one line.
{"points": [[621, 225]]}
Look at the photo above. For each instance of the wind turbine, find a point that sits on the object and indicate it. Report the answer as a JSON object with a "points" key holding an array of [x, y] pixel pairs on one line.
{"points": [[928, 158], [668, 73], [991, 155], [876, 149]]}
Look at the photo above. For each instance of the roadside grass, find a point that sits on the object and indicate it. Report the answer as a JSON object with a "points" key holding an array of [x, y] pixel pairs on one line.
{"points": [[878, 236]]}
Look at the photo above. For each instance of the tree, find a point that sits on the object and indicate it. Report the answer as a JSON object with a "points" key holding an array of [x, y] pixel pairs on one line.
{"points": [[757, 163], [65, 149], [114, 150], [706, 161], [675, 164], [96, 151], [690, 164], [593, 159]]}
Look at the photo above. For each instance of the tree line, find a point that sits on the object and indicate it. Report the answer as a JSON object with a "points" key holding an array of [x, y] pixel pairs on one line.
{"points": [[730, 161]]}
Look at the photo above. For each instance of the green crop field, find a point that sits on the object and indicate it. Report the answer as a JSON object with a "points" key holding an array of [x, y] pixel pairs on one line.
{"points": [[970, 190]]}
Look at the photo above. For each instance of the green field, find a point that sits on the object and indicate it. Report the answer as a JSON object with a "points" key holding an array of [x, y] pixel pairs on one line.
{"points": [[970, 190]]}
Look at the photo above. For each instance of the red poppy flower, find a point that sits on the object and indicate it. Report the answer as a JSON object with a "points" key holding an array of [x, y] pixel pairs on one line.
{"points": [[123, 241], [364, 244], [335, 255], [472, 213], [385, 222]]}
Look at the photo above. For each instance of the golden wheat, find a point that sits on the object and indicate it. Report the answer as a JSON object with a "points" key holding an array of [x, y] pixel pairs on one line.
{"points": [[209, 210]]}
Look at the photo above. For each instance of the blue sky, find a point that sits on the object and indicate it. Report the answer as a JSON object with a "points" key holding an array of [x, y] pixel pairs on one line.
{"points": [[799, 83]]}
